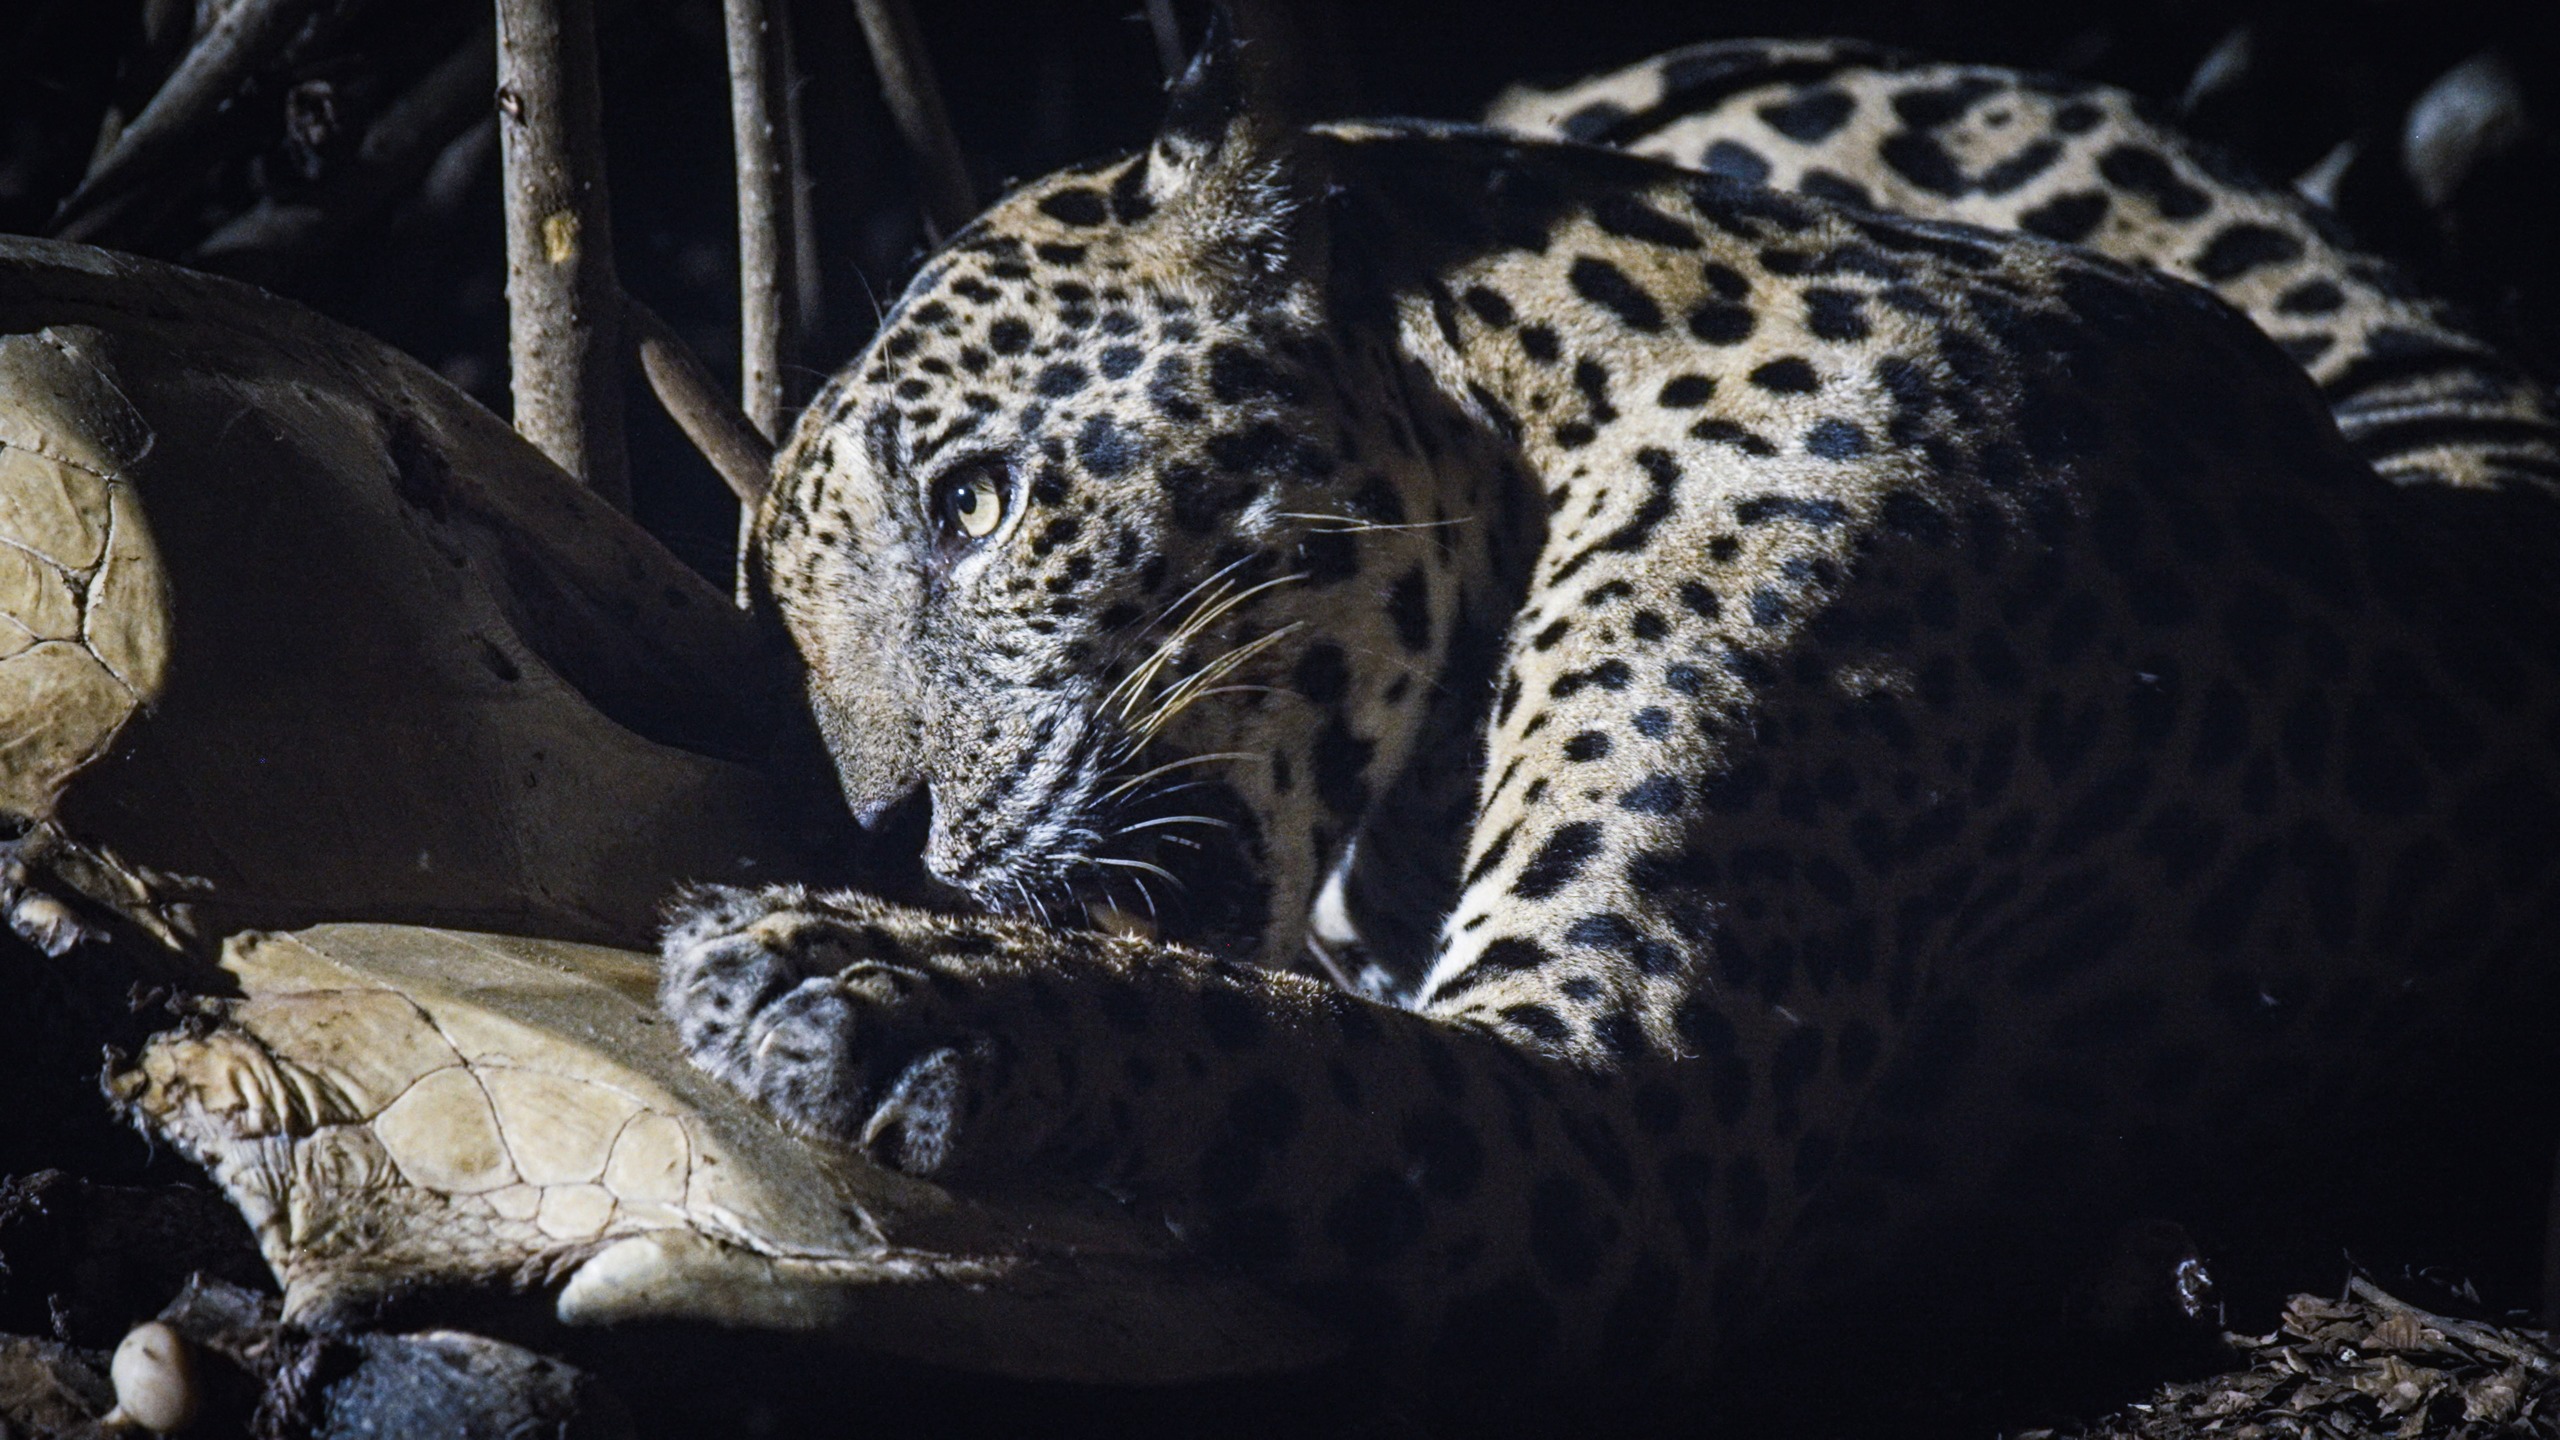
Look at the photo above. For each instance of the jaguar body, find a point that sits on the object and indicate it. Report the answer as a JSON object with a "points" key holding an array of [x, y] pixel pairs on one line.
{"points": [[1676, 744]]}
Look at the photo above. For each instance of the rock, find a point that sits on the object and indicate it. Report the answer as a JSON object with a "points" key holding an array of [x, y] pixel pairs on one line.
{"points": [[234, 1360], [91, 1260], [448, 1385], [52, 1390]]}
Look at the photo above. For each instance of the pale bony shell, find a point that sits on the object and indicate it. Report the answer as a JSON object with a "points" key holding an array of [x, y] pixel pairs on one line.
{"points": [[84, 605], [397, 1109]]}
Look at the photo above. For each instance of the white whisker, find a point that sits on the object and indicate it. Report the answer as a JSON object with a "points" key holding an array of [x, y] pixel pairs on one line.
{"points": [[1176, 820], [1332, 969], [1212, 579], [1125, 786], [1208, 614], [1117, 862], [1353, 525], [1183, 695]]}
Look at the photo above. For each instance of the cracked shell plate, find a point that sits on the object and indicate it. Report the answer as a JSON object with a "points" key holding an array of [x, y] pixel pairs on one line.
{"points": [[84, 608], [398, 1109]]}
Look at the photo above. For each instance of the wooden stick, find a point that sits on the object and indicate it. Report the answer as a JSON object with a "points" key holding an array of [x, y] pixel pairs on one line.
{"points": [[239, 43], [759, 132], [756, 133], [717, 428], [564, 309], [915, 106], [808, 307], [2478, 1337], [1171, 54], [268, 242], [1275, 58]]}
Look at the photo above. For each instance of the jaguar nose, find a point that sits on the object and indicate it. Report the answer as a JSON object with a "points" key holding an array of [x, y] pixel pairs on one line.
{"points": [[871, 814], [889, 852], [875, 813]]}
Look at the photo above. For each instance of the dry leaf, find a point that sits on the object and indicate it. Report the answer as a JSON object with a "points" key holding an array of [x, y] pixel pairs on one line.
{"points": [[2400, 1330], [2494, 1399]]}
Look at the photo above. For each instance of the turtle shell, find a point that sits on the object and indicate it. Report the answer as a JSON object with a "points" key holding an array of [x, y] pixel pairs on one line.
{"points": [[292, 630], [398, 1110], [84, 604]]}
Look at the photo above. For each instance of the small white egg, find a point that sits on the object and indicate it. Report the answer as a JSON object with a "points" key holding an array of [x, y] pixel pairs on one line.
{"points": [[155, 1379]]}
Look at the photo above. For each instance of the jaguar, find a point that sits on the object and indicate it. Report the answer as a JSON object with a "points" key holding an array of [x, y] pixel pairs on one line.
{"points": [[1557, 751]]}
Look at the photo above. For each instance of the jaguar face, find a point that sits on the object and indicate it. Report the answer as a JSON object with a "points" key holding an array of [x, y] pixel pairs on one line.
{"points": [[1058, 546]]}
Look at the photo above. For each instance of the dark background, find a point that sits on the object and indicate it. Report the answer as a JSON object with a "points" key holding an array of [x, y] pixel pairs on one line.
{"points": [[1034, 85]]}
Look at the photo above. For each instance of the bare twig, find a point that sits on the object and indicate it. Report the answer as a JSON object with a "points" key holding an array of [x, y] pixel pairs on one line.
{"points": [[440, 107], [759, 132], [447, 183], [103, 144], [2479, 1337], [915, 105], [564, 309], [756, 130], [240, 42], [164, 25], [717, 428], [1275, 58], [267, 242], [808, 309], [1170, 51]]}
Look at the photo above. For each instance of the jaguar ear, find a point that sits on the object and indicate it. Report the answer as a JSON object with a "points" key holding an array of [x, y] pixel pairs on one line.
{"points": [[1225, 172], [1212, 108]]}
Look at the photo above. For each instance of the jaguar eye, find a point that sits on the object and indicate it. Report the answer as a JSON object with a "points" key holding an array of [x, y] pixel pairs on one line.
{"points": [[973, 501]]}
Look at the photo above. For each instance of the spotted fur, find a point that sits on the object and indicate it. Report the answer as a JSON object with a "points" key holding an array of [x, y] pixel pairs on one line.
{"points": [[2414, 390], [1837, 735]]}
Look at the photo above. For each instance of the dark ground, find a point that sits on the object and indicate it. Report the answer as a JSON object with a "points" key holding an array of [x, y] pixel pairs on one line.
{"points": [[1032, 86]]}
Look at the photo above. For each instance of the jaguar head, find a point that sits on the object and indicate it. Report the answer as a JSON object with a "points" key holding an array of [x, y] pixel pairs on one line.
{"points": [[1065, 547]]}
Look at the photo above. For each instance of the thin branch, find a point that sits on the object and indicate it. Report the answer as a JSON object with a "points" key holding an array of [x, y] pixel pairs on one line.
{"points": [[269, 241], [241, 42], [446, 186], [564, 309], [717, 427], [2473, 1334], [808, 307], [760, 132], [1277, 75], [755, 129], [915, 105], [165, 24], [1171, 54]]}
